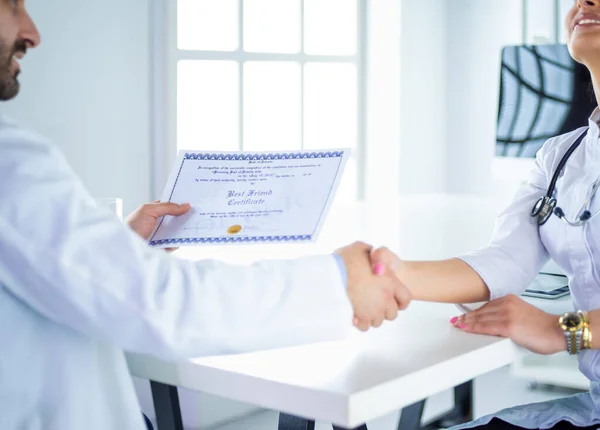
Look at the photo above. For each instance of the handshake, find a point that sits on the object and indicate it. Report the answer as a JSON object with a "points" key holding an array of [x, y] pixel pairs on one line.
{"points": [[374, 289]]}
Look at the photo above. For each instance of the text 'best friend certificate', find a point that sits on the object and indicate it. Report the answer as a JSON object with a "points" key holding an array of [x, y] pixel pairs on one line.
{"points": [[245, 197]]}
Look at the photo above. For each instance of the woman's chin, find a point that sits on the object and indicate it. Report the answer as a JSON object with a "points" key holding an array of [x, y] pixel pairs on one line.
{"points": [[585, 48]]}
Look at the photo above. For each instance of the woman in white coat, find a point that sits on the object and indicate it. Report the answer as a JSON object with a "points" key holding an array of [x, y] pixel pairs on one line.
{"points": [[526, 234]]}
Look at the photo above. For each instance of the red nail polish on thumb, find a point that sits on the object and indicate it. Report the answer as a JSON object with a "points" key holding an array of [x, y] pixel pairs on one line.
{"points": [[453, 320], [379, 269]]}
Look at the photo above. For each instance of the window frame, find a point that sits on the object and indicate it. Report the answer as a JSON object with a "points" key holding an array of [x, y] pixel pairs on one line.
{"points": [[165, 56]]}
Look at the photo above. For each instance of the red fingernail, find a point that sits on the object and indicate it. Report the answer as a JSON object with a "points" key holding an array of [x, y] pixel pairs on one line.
{"points": [[462, 326], [379, 269], [453, 320]]}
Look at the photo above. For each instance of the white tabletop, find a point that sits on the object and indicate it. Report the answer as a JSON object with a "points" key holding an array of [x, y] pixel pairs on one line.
{"points": [[369, 374], [348, 382]]}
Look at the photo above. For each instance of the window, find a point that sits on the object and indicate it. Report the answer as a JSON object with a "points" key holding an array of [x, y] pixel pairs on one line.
{"points": [[265, 75]]}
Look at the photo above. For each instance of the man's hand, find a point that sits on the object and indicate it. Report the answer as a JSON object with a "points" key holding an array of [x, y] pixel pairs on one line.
{"points": [[374, 297], [514, 318], [144, 219]]}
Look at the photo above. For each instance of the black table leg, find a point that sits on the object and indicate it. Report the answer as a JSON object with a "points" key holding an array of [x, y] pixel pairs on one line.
{"points": [[411, 416], [290, 422], [363, 427], [462, 411], [463, 400], [166, 406]]}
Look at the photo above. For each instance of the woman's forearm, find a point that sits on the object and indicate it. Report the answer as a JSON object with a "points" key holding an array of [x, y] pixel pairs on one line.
{"points": [[448, 281]]}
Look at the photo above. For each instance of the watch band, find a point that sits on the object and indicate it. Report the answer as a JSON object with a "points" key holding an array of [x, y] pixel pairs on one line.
{"points": [[578, 340], [571, 342], [586, 333], [587, 337]]}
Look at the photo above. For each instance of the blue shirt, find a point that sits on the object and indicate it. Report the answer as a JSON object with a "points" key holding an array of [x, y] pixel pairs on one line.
{"points": [[343, 270]]}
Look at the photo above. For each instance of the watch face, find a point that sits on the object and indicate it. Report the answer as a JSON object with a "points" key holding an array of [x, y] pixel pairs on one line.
{"points": [[572, 320]]}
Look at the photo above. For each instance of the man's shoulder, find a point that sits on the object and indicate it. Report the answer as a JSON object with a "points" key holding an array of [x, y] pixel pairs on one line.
{"points": [[27, 159], [11, 133], [20, 145]]}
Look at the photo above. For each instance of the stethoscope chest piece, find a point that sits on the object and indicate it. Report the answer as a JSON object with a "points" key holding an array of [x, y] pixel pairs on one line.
{"points": [[543, 209], [545, 206]]}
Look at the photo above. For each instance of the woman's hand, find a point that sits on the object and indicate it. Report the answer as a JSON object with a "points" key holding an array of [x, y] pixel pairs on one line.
{"points": [[516, 319]]}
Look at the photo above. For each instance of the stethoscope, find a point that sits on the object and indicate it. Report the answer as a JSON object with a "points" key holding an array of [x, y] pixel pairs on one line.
{"points": [[546, 206]]}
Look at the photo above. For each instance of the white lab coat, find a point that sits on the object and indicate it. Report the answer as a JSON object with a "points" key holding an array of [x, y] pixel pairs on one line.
{"points": [[77, 288], [519, 248]]}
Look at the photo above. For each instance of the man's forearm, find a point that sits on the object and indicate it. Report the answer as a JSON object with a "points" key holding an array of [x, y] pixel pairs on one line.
{"points": [[448, 281]]}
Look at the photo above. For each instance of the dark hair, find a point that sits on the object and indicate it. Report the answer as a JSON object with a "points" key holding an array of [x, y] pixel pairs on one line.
{"points": [[583, 76], [590, 92]]}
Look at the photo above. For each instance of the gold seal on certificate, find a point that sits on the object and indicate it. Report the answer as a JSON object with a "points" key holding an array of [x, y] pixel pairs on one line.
{"points": [[234, 229]]}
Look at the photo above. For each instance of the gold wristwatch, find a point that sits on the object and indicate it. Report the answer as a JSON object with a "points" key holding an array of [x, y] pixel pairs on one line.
{"points": [[576, 327]]}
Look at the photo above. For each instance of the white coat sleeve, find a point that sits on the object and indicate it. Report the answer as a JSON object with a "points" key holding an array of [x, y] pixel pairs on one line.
{"points": [[515, 254], [80, 267]]}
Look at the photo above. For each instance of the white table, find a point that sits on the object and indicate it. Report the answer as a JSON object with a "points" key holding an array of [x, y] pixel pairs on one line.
{"points": [[370, 374]]}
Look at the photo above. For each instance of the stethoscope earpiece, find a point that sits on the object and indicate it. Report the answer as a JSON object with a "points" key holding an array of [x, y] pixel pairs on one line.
{"points": [[559, 212], [585, 216]]}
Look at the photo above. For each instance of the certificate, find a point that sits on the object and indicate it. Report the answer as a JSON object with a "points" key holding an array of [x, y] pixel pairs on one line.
{"points": [[249, 197]]}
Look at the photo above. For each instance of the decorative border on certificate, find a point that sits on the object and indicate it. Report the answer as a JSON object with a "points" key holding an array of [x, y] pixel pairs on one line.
{"points": [[263, 156], [262, 239], [236, 157]]}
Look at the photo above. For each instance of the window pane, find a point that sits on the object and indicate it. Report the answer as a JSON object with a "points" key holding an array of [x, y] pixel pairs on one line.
{"points": [[330, 27], [210, 25], [272, 106], [330, 117], [208, 105], [565, 6], [272, 26]]}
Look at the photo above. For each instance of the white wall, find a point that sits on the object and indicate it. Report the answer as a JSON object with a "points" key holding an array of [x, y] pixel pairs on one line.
{"points": [[383, 100], [540, 13], [423, 86], [87, 89], [477, 30], [449, 77]]}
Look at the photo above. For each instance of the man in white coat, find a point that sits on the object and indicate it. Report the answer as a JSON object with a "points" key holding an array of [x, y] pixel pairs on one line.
{"points": [[77, 287]]}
